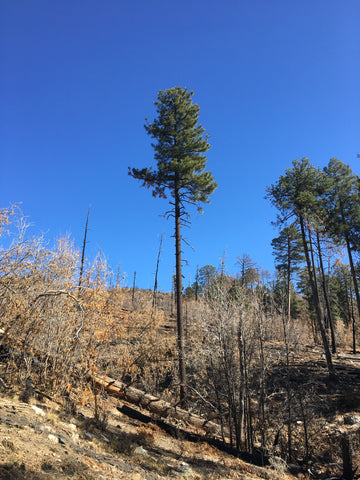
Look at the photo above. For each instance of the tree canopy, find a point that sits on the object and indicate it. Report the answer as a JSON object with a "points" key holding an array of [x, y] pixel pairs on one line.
{"points": [[180, 149]]}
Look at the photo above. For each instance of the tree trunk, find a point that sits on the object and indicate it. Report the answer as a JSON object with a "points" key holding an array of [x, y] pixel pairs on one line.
{"points": [[133, 290], [315, 293], [353, 273], [152, 404], [157, 271], [179, 315], [288, 280], [326, 296], [347, 460], [197, 283], [83, 249]]}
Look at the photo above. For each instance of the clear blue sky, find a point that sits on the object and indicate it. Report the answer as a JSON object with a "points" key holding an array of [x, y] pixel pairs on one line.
{"points": [[275, 80]]}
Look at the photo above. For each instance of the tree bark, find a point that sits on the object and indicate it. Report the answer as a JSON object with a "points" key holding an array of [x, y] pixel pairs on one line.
{"points": [[315, 293], [353, 273], [152, 404], [133, 290], [347, 460], [179, 313], [288, 279], [157, 271], [326, 296], [83, 249]]}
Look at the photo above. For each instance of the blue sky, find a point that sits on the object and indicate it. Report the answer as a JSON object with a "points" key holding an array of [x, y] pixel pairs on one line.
{"points": [[274, 80]]}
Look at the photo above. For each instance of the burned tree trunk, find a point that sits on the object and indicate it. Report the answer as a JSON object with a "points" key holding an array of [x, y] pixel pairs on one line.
{"points": [[151, 403]]}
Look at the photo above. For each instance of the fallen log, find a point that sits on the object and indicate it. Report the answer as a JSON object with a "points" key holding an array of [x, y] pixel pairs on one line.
{"points": [[151, 403]]}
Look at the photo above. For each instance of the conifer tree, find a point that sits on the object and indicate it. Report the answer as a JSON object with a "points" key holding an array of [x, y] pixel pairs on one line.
{"points": [[287, 248], [343, 207], [297, 194], [206, 278], [180, 147]]}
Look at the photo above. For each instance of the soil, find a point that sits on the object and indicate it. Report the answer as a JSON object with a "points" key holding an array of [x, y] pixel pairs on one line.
{"points": [[39, 442]]}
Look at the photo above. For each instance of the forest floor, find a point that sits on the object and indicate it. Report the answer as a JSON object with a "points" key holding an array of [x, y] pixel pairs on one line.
{"points": [[39, 441]]}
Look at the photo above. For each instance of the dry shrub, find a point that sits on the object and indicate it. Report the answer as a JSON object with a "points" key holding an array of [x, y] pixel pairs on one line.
{"points": [[145, 435], [123, 443], [344, 334], [52, 331], [55, 335]]}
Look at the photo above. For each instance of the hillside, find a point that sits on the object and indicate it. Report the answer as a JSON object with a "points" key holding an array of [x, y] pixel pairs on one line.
{"points": [[40, 442], [258, 375]]}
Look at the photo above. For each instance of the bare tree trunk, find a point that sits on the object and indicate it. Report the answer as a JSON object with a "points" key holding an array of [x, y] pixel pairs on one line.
{"points": [[353, 329], [197, 283], [289, 280], [83, 249], [133, 290], [305, 424], [355, 282], [347, 460], [117, 276], [179, 313], [315, 293], [157, 271], [222, 275], [326, 296], [151, 403]]}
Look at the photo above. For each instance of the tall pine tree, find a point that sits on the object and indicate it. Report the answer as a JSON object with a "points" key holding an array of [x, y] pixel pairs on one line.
{"points": [[297, 194], [180, 146], [343, 207], [287, 248]]}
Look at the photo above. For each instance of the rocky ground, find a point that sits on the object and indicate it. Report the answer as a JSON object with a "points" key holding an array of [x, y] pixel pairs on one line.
{"points": [[39, 442]]}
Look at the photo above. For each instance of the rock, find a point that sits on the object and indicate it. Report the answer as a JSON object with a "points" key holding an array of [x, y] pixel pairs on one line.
{"points": [[141, 451], [88, 436], [46, 467], [38, 410], [53, 438], [69, 426], [104, 438], [43, 428], [62, 440], [185, 470], [73, 427], [294, 469], [351, 419]]}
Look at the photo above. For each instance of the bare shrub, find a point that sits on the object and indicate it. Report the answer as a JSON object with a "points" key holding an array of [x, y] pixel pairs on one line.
{"points": [[51, 331]]}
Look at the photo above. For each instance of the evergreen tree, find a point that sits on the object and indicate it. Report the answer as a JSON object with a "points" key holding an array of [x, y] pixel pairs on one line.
{"points": [[287, 248], [297, 194], [343, 297], [207, 277], [343, 206], [180, 147]]}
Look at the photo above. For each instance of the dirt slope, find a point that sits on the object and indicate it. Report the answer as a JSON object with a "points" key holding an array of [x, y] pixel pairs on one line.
{"points": [[38, 442]]}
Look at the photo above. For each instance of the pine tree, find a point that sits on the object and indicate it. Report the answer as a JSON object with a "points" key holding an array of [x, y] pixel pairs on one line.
{"points": [[206, 279], [180, 147], [297, 194], [343, 206], [287, 249]]}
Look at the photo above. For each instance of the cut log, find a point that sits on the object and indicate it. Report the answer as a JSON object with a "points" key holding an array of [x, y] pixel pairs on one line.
{"points": [[151, 403]]}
